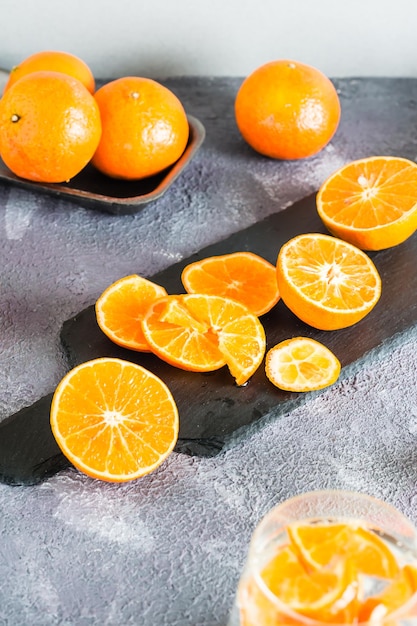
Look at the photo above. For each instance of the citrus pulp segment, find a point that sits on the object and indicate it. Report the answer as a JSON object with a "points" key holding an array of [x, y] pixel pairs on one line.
{"points": [[242, 276], [372, 202], [113, 419], [121, 308], [326, 282]]}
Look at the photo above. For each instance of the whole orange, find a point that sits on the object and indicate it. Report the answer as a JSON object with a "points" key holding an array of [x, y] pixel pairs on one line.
{"points": [[145, 128], [287, 110], [54, 61], [49, 127]]}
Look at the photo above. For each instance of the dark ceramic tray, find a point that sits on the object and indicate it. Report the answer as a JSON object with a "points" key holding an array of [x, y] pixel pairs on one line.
{"points": [[92, 189], [214, 413]]}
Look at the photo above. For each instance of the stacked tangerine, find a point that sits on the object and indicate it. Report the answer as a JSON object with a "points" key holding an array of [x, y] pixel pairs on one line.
{"points": [[53, 122]]}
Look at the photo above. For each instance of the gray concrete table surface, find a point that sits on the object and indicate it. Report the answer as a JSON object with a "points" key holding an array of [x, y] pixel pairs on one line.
{"points": [[167, 550]]}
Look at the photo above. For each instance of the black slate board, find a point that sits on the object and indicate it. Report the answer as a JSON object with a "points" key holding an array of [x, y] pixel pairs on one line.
{"points": [[214, 412]]}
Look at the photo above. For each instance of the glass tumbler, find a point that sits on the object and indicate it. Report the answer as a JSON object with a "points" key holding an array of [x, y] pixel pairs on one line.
{"points": [[258, 604]]}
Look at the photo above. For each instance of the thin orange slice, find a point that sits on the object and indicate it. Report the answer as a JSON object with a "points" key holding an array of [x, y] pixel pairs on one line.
{"points": [[121, 307], [202, 333], [395, 595], [372, 203], [114, 420], [242, 276], [326, 282], [319, 544], [317, 594], [301, 364]]}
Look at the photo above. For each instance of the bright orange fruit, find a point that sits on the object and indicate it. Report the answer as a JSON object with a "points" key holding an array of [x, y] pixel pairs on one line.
{"points": [[315, 593], [202, 333], [53, 61], [145, 128], [301, 364], [121, 307], [372, 203], [242, 276], [287, 110], [113, 419], [317, 545], [326, 282], [49, 127]]}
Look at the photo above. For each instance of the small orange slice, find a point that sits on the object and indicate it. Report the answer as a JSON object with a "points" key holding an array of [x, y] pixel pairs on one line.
{"points": [[314, 594], [318, 544], [114, 420], [121, 307], [202, 333], [242, 276], [326, 282], [395, 595], [372, 203], [301, 364]]}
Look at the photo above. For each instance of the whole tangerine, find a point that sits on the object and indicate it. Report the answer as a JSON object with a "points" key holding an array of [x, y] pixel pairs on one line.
{"points": [[287, 110], [144, 128], [53, 61], [50, 127]]}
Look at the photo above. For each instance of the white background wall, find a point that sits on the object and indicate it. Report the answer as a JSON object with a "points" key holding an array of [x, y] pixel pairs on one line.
{"points": [[215, 37]]}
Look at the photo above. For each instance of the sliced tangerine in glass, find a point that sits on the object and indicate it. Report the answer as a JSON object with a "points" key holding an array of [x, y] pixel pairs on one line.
{"points": [[318, 544], [242, 276], [326, 282], [323, 595], [372, 202], [395, 595], [301, 364], [202, 333], [114, 420], [121, 307]]}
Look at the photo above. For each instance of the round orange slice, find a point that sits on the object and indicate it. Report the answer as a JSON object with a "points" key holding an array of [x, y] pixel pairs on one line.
{"points": [[242, 276], [326, 282], [114, 420], [315, 594], [121, 307], [301, 364], [372, 203], [202, 333], [319, 544]]}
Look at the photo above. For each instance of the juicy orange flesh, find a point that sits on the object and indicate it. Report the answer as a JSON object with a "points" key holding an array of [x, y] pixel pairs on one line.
{"points": [[115, 419], [203, 333], [371, 193], [120, 310], [327, 272], [301, 363], [322, 572], [242, 276]]}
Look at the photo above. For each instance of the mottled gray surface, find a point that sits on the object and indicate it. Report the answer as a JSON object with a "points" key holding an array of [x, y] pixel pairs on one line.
{"points": [[167, 550]]}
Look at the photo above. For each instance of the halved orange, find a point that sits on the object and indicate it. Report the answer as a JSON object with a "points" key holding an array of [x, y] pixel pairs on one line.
{"points": [[242, 276], [113, 419], [121, 307], [326, 282], [301, 364], [318, 544], [202, 333], [372, 203]]}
